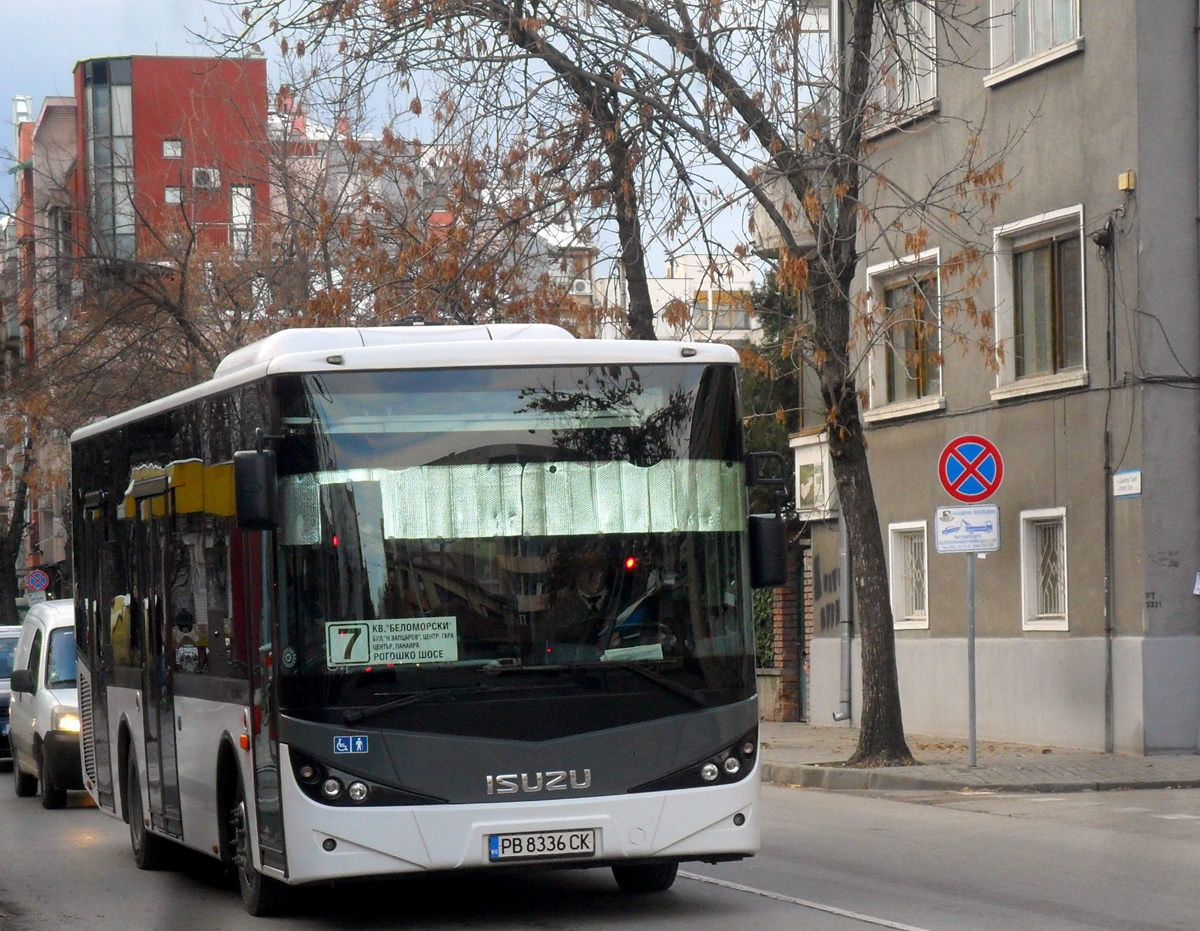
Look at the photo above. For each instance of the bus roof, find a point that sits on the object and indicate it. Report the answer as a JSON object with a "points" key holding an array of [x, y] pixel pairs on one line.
{"points": [[326, 349]]}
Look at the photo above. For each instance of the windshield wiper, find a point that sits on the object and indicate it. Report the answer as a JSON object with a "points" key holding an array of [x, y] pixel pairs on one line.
{"points": [[649, 674], [657, 678], [669, 684], [402, 701], [412, 698]]}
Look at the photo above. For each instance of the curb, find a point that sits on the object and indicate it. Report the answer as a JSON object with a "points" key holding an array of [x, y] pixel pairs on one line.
{"points": [[911, 778]]}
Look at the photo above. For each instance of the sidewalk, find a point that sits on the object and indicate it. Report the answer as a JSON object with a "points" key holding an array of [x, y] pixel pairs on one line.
{"points": [[807, 755]]}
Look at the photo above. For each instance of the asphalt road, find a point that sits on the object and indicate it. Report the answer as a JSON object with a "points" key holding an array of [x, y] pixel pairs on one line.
{"points": [[830, 862]]}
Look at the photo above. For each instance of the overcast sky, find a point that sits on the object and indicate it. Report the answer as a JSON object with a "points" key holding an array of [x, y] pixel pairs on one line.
{"points": [[40, 41]]}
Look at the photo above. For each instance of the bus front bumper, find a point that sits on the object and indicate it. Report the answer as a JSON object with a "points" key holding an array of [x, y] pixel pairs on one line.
{"points": [[326, 842]]}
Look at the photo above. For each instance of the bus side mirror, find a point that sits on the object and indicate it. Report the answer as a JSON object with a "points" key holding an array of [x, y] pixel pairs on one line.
{"points": [[22, 681], [769, 469], [255, 489], [768, 551]]}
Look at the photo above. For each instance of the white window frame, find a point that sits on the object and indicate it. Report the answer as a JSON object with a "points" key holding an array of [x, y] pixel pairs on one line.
{"points": [[816, 489], [879, 278], [1005, 65], [897, 582], [906, 67], [241, 225], [1006, 240], [1030, 572], [172, 148], [172, 196]]}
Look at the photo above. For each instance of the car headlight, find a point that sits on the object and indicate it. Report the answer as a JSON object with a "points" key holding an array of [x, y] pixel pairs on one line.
{"points": [[64, 719]]}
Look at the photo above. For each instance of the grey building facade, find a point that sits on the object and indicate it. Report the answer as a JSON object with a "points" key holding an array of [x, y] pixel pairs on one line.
{"points": [[1076, 351]]}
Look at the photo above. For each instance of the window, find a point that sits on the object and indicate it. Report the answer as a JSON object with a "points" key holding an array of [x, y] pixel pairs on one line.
{"points": [[35, 660], [60, 247], [8, 653], [1048, 311], [172, 148], [814, 474], [912, 370], [1044, 569], [906, 370], [909, 576], [1040, 306], [173, 195], [60, 662], [906, 50], [1032, 32], [241, 214], [108, 121]]}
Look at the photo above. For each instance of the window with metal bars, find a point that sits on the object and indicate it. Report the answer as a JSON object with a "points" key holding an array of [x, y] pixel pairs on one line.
{"points": [[1044, 569], [909, 575], [1051, 555]]}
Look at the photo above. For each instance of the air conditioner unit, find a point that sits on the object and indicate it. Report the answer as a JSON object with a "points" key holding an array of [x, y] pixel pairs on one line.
{"points": [[581, 286], [207, 179]]}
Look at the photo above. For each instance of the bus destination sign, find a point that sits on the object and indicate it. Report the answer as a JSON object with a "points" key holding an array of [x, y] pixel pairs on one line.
{"points": [[394, 641]]}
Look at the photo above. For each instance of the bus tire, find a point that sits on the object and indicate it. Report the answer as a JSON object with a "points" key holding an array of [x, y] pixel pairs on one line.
{"points": [[262, 895], [150, 852], [24, 784], [648, 876]]}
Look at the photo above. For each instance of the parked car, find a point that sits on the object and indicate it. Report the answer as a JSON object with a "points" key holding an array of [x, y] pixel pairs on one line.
{"points": [[44, 709], [8, 652]]}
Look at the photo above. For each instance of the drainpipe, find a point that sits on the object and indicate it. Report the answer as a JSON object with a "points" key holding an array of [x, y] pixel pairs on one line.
{"points": [[843, 712]]}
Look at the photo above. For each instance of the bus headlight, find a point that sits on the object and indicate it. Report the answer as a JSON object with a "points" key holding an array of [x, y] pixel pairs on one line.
{"points": [[64, 719], [732, 764], [331, 788], [358, 791]]}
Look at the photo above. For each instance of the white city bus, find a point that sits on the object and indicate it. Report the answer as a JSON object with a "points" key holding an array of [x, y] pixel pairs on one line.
{"points": [[375, 601]]}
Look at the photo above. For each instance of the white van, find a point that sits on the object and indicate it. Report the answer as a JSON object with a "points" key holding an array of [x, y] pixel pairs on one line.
{"points": [[44, 709]]}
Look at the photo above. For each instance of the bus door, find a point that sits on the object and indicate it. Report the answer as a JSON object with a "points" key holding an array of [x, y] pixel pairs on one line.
{"points": [[254, 622], [152, 572], [96, 580]]}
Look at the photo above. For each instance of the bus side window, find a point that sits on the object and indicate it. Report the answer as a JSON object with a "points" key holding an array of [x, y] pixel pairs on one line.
{"points": [[218, 609], [188, 644]]}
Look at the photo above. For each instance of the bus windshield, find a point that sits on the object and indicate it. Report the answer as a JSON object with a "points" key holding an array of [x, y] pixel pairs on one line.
{"points": [[506, 532]]}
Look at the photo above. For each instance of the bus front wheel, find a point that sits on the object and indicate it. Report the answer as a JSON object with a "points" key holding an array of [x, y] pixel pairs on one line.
{"points": [[150, 851], [648, 876], [262, 895]]}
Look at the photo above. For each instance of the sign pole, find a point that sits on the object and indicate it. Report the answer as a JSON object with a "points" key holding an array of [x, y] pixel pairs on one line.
{"points": [[970, 470], [971, 748]]}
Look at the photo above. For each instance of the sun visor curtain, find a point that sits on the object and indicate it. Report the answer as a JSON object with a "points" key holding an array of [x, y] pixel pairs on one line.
{"points": [[534, 500]]}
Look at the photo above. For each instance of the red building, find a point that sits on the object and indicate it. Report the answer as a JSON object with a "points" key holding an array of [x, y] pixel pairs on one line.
{"points": [[150, 153], [170, 144]]}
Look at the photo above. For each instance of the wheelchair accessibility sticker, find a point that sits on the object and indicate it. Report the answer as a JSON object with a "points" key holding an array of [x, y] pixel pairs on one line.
{"points": [[357, 743]]}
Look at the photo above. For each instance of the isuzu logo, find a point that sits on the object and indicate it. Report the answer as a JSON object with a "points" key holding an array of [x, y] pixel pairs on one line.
{"points": [[558, 780]]}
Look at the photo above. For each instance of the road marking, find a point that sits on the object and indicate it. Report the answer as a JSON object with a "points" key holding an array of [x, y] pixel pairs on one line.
{"points": [[1132, 808], [804, 903], [1178, 817]]}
